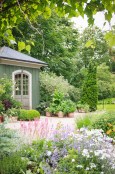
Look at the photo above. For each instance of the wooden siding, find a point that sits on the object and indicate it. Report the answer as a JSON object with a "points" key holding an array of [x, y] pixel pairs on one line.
{"points": [[8, 69]]}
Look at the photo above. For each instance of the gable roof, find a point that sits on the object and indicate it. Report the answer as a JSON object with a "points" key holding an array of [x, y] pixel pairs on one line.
{"points": [[10, 54]]}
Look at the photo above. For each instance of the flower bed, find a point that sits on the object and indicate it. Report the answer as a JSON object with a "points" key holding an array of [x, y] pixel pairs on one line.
{"points": [[66, 150]]}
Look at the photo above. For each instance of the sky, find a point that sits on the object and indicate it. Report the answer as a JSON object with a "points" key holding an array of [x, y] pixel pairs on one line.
{"points": [[81, 23]]}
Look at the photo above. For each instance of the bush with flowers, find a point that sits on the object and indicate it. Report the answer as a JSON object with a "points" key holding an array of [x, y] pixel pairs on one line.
{"points": [[68, 151], [104, 121]]}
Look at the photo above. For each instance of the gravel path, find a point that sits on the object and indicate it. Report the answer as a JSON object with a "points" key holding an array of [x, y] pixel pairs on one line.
{"points": [[52, 121]]}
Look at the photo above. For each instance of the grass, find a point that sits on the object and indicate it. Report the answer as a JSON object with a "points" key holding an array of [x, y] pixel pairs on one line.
{"points": [[107, 107]]}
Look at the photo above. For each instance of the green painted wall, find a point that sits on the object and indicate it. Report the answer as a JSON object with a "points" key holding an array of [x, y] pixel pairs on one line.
{"points": [[8, 69]]}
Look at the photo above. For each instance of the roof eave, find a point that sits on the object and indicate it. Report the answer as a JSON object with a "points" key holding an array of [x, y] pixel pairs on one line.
{"points": [[39, 63]]}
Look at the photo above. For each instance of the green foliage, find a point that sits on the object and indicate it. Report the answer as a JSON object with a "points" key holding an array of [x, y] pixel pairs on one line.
{"points": [[13, 112], [8, 140], [36, 154], [28, 114], [45, 8], [1, 107], [83, 122], [106, 122], [82, 107], [90, 93], [75, 162], [107, 101], [42, 107], [49, 82], [6, 94], [105, 82], [60, 103], [13, 164], [5, 88], [68, 106], [93, 46], [110, 38]]}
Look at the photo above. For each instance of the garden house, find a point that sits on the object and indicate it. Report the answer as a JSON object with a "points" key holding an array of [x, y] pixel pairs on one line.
{"points": [[24, 72]]}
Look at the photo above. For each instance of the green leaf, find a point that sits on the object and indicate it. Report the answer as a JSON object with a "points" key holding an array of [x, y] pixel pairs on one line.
{"points": [[47, 12], [110, 38], [14, 19], [90, 43], [108, 16], [21, 46], [28, 48]]}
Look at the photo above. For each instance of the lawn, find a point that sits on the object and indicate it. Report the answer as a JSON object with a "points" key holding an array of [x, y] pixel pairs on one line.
{"points": [[108, 107]]}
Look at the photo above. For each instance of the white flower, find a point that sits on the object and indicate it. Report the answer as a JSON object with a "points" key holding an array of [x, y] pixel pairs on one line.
{"points": [[87, 168], [73, 160], [92, 165], [85, 153], [79, 166], [98, 152], [82, 129], [104, 156], [49, 153]]}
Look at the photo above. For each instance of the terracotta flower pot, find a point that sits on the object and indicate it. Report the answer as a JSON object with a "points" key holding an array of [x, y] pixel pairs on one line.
{"points": [[71, 114], [60, 114], [48, 114], [1, 118], [13, 119]]}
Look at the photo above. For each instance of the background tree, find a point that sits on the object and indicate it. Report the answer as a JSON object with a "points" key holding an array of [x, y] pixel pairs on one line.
{"points": [[93, 46], [105, 81], [58, 46], [15, 11]]}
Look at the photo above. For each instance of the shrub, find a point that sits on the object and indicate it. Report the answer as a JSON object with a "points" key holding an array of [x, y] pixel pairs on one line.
{"points": [[106, 122], [6, 94], [49, 82], [13, 164], [28, 114], [8, 139], [67, 151], [6, 88], [90, 93], [13, 112]]}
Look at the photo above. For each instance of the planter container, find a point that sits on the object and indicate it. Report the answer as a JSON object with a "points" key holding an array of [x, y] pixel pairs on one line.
{"points": [[1, 118], [71, 115], [60, 114], [48, 114], [13, 119]]}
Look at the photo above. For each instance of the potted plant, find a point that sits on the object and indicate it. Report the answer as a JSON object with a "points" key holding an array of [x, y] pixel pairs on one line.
{"points": [[13, 114], [82, 107], [60, 112], [48, 112], [69, 108]]}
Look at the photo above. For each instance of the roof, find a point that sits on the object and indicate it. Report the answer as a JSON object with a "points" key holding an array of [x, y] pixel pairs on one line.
{"points": [[10, 54]]}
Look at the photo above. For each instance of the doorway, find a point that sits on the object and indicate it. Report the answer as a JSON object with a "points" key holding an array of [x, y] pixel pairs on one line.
{"points": [[22, 88]]}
